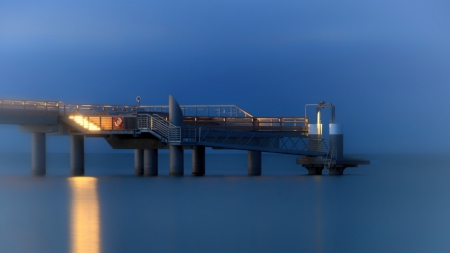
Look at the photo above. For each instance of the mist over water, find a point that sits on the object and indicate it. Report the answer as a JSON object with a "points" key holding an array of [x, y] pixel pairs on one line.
{"points": [[398, 204]]}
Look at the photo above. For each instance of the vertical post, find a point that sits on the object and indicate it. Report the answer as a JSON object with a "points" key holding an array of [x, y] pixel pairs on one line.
{"points": [[138, 162], [254, 163], [38, 159], [176, 161], [198, 160], [176, 167], [77, 155], [150, 162]]}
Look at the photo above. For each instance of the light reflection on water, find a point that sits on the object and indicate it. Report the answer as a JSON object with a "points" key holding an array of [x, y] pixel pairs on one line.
{"points": [[84, 215]]}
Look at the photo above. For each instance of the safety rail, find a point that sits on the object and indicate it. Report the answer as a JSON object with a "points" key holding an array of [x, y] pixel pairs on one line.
{"points": [[30, 106], [293, 124], [159, 126], [70, 109], [200, 110]]}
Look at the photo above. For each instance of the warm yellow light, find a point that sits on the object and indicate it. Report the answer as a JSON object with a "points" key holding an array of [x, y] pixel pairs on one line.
{"points": [[84, 122], [84, 215]]}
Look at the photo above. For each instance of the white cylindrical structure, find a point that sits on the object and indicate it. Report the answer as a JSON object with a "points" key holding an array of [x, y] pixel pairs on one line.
{"points": [[315, 129], [336, 129], [336, 141]]}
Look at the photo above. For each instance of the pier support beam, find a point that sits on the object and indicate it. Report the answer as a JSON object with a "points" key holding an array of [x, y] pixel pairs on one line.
{"points": [[77, 155], [38, 159], [254, 163], [150, 162], [198, 160], [176, 167], [138, 162]]}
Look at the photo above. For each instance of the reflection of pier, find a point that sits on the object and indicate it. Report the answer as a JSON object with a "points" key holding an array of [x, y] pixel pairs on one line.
{"points": [[146, 129]]}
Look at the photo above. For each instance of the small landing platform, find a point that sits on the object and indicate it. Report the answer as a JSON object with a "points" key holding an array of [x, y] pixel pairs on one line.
{"points": [[315, 165]]}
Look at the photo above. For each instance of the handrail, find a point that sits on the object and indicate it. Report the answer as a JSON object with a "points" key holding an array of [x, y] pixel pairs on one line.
{"points": [[262, 140], [65, 108], [158, 125]]}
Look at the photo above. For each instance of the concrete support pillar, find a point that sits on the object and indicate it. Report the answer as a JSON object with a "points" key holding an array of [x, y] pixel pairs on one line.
{"points": [[337, 170], [314, 170], [150, 162], [38, 154], [176, 167], [254, 163], [315, 137], [198, 160], [138, 162], [77, 155]]}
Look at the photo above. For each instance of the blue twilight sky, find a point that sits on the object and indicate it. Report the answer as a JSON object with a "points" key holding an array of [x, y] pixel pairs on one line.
{"points": [[384, 64]]}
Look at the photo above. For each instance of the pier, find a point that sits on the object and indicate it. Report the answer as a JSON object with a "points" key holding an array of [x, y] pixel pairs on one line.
{"points": [[147, 129]]}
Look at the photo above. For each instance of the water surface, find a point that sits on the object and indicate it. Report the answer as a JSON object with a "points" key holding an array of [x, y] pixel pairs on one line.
{"points": [[399, 204]]}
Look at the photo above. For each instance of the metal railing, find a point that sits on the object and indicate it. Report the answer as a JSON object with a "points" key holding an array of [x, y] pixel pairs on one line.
{"points": [[30, 106], [160, 127], [200, 110], [68, 109], [263, 141], [269, 142]]}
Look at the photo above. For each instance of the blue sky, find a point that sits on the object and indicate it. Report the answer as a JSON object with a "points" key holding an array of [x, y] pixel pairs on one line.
{"points": [[384, 64]]}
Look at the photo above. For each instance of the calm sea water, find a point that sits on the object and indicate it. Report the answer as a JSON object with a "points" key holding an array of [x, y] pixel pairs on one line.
{"points": [[399, 204]]}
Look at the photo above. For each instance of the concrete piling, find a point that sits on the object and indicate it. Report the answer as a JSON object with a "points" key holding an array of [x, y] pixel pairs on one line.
{"points": [[38, 154], [254, 163], [198, 160], [77, 155], [138, 162], [150, 162]]}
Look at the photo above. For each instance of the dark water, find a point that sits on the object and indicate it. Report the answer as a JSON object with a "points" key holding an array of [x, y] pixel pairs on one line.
{"points": [[399, 204]]}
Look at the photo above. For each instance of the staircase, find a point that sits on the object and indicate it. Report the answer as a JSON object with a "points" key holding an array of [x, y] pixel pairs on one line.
{"points": [[159, 127]]}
